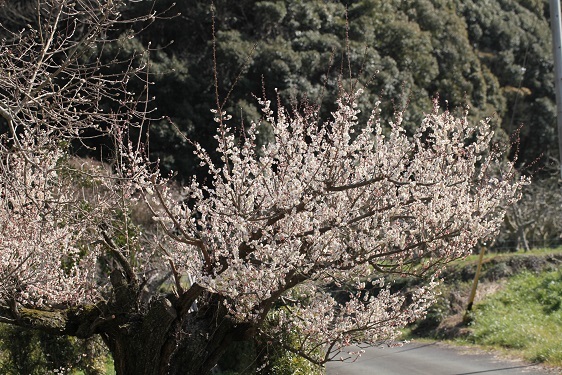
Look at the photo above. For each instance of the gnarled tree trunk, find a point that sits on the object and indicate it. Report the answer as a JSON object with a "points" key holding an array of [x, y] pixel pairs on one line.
{"points": [[164, 336], [164, 342]]}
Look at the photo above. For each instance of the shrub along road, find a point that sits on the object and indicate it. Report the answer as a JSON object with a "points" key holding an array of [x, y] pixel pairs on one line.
{"points": [[432, 359]]}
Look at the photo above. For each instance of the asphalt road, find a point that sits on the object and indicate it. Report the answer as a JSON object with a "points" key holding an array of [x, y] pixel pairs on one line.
{"points": [[431, 359]]}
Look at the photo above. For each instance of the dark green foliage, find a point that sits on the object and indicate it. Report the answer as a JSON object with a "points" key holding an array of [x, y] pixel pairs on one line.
{"points": [[512, 38], [494, 57], [30, 352], [240, 358], [467, 52]]}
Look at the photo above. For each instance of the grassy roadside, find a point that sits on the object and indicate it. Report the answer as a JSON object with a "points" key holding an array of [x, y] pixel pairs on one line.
{"points": [[525, 317], [518, 307]]}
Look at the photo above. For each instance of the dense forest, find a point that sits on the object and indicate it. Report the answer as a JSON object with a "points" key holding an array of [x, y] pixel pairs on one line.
{"points": [[493, 57]]}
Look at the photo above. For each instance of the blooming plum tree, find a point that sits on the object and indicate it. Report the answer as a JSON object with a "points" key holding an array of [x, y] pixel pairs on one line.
{"points": [[254, 252]]}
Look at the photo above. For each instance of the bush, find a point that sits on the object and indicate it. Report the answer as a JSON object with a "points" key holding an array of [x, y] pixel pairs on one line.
{"points": [[245, 357], [37, 353]]}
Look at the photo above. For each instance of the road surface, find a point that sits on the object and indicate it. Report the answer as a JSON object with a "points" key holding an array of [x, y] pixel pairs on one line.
{"points": [[431, 359]]}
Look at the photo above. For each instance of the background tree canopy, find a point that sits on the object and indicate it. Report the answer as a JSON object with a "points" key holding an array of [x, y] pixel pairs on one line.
{"points": [[493, 56]]}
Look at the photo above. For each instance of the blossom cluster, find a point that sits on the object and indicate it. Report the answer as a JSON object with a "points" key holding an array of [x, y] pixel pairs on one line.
{"points": [[55, 91], [47, 255], [332, 203]]}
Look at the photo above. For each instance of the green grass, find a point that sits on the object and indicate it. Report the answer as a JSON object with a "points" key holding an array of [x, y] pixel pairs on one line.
{"points": [[525, 317]]}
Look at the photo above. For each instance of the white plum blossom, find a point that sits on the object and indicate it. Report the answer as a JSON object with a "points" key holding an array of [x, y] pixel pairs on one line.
{"points": [[328, 204]]}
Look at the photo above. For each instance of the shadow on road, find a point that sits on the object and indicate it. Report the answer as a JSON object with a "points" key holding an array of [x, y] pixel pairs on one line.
{"points": [[416, 347], [494, 370]]}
